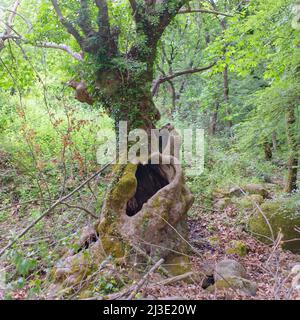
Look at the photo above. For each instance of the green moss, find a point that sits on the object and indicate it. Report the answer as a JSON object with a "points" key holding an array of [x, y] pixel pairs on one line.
{"points": [[125, 188], [235, 283], [249, 202], [283, 215], [177, 265], [238, 247]]}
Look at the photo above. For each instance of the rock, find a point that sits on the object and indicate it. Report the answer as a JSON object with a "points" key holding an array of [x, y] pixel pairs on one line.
{"points": [[237, 247], [256, 189], [296, 280], [229, 268], [239, 284], [283, 215], [214, 241], [296, 269], [250, 189], [250, 202], [222, 203], [231, 274]]}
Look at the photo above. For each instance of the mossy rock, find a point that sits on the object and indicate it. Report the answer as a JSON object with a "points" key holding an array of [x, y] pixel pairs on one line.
{"points": [[222, 203], [236, 283], [177, 265], [283, 215], [256, 189], [249, 202], [251, 189], [237, 247], [229, 268]]}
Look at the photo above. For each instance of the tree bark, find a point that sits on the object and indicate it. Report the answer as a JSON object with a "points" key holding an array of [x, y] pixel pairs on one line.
{"points": [[226, 94], [213, 121], [293, 161], [268, 150]]}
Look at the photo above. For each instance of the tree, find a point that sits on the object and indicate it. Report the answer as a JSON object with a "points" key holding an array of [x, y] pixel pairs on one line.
{"points": [[146, 205]]}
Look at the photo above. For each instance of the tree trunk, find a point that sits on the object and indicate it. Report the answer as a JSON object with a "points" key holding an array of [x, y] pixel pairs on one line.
{"points": [[268, 150], [293, 162], [226, 94], [144, 216], [274, 141], [213, 121]]}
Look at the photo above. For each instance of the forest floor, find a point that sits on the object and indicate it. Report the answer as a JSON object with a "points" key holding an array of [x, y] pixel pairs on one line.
{"points": [[269, 267], [211, 232]]}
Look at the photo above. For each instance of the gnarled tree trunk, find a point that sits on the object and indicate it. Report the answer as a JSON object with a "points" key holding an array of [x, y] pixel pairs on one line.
{"points": [[145, 210], [144, 216]]}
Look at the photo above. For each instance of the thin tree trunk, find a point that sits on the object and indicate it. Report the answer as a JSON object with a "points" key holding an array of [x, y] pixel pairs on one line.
{"points": [[226, 94], [274, 141], [268, 150], [213, 121], [293, 162]]}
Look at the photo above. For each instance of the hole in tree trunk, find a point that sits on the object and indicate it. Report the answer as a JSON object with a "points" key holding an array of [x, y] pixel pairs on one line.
{"points": [[150, 179]]}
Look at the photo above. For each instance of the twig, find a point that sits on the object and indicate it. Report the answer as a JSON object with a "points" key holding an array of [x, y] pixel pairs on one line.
{"points": [[138, 286], [80, 208], [217, 13], [175, 279]]}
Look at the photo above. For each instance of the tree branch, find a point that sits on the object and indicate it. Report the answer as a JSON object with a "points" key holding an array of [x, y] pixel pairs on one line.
{"points": [[63, 47], [163, 79], [68, 25], [84, 18], [217, 13], [9, 24], [103, 17], [144, 13]]}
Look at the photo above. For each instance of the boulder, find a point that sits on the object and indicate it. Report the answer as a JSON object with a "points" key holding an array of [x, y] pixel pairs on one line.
{"points": [[230, 274], [283, 216], [250, 202], [229, 268], [250, 189], [245, 286], [222, 203]]}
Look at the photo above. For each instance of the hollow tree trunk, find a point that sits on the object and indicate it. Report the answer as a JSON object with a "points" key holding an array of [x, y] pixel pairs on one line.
{"points": [[293, 162], [144, 216]]}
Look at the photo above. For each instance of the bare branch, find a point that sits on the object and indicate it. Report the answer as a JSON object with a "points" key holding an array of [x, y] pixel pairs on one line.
{"points": [[217, 13], [19, 15], [9, 24], [80, 208], [11, 18], [64, 47], [142, 281], [163, 79], [68, 25]]}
